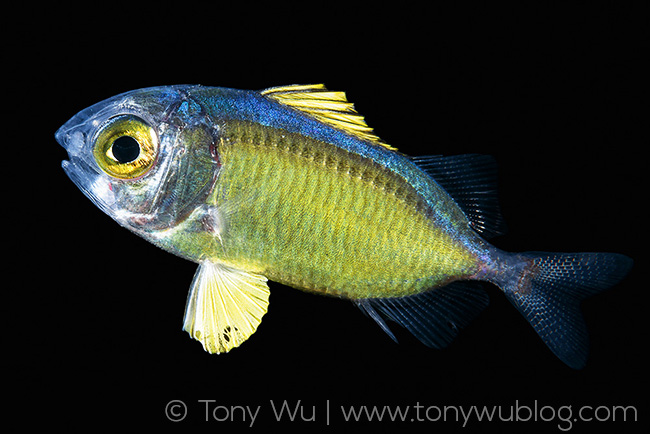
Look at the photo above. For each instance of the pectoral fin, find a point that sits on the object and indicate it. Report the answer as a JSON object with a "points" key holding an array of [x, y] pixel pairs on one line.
{"points": [[225, 306]]}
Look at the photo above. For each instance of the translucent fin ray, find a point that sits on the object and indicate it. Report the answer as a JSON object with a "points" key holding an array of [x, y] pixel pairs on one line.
{"points": [[434, 317], [329, 107], [225, 306], [471, 180], [548, 290]]}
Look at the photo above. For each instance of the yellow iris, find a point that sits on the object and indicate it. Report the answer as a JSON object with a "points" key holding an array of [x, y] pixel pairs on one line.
{"points": [[126, 147]]}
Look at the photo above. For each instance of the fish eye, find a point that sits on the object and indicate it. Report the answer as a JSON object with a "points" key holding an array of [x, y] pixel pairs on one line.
{"points": [[125, 147]]}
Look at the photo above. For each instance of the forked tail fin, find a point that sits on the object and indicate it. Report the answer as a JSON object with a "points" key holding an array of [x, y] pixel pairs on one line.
{"points": [[547, 289]]}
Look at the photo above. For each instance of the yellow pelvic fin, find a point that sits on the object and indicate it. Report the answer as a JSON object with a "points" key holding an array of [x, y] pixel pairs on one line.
{"points": [[331, 108], [225, 306]]}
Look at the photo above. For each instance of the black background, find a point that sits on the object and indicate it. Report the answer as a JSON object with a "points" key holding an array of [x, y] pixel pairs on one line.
{"points": [[553, 94]]}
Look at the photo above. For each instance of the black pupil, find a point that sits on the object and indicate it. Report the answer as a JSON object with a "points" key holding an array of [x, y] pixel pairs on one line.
{"points": [[126, 149]]}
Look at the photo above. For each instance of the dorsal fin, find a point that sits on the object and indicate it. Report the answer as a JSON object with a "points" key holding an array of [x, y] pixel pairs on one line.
{"points": [[470, 179], [329, 107]]}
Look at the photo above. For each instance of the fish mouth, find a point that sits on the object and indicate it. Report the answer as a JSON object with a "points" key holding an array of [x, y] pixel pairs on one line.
{"points": [[74, 167], [72, 138], [94, 186]]}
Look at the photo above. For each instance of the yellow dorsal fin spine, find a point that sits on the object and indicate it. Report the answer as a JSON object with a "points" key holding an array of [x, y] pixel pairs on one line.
{"points": [[329, 107]]}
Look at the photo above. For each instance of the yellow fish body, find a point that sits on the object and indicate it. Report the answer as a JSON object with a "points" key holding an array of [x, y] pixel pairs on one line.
{"points": [[323, 221], [290, 184]]}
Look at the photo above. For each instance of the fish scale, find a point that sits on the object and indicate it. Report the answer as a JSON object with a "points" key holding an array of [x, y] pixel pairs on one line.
{"points": [[358, 220]]}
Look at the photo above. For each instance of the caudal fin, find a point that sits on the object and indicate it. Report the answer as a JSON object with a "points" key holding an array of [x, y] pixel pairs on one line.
{"points": [[547, 289]]}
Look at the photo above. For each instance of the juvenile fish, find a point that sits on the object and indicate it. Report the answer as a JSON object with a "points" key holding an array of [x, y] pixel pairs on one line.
{"points": [[290, 184]]}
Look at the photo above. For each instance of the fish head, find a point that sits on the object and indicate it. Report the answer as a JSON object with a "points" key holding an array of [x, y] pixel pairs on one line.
{"points": [[146, 157]]}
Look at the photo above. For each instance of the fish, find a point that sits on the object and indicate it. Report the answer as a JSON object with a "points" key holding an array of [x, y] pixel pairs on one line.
{"points": [[290, 184]]}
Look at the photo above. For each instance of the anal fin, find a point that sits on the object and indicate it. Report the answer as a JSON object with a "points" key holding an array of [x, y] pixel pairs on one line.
{"points": [[225, 306], [434, 317]]}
